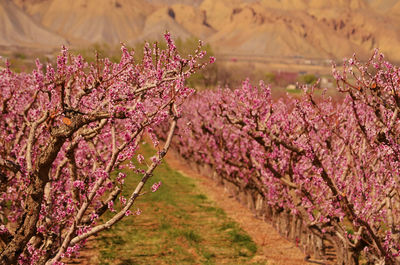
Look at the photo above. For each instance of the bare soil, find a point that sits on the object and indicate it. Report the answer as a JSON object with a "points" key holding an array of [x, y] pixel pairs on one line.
{"points": [[273, 249], [276, 249]]}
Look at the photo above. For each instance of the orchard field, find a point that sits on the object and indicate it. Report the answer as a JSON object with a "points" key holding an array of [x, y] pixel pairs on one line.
{"points": [[82, 146]]}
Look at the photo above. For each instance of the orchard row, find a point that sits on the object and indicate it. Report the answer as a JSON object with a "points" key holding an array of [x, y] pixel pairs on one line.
{"points": [[334, 164], [67, 137]]}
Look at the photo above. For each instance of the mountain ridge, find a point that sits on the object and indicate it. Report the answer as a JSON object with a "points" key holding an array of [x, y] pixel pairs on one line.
{"points": [[329, 29]]}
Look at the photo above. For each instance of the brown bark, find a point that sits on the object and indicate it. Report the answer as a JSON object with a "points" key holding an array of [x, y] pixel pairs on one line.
{"points": [[27, 227], [39, 178]]}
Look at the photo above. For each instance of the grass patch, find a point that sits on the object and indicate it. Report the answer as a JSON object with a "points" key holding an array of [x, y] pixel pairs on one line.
{"points": [[248, 247], [201, 197], [178, 225], [192, 236]]}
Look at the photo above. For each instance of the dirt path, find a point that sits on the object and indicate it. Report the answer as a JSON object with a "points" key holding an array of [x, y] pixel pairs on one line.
{"points": [[276, 249]]}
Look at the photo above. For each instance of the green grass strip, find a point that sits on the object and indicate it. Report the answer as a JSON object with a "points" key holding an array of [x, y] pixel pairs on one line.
{"points": [[178, 225]]}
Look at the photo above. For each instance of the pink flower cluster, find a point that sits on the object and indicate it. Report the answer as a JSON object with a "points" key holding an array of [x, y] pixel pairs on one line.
{"points": [[155, 186], [65, 130], [335, 164]]}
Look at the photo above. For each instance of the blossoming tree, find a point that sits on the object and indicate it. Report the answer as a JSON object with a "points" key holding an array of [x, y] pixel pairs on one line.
{"points": [[65, 130], [333, 164]]}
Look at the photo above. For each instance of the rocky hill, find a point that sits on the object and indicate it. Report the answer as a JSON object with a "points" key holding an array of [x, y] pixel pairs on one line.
{"points": [[19, 29], [315, 29]]}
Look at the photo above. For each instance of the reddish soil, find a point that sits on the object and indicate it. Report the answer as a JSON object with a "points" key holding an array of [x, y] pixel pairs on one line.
{"points": [[276, 249]]}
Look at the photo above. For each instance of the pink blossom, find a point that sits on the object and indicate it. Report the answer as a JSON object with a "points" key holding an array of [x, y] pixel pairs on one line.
{"points": [[140, 158], [155, 186], [138, 211], [77, 123], [338, 157]]}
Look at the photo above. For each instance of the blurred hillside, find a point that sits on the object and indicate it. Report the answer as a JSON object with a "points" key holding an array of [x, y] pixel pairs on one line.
{"points": [[252, 30]]}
